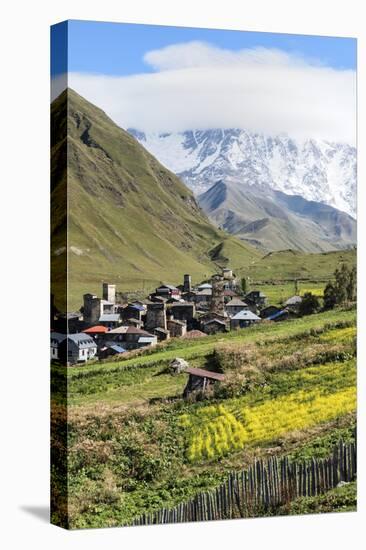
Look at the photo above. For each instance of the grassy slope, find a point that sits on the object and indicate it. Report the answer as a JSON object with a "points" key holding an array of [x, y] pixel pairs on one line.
{"points": [[202, 347], [289, 264], [131, 221], [340, 499], [128, 452], [270, 219]]}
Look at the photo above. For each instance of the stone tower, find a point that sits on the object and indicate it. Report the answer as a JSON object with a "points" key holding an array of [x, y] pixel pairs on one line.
{"points": [[109, 292], [217, 300], [187, 283], [155, 316], [92, 309]]}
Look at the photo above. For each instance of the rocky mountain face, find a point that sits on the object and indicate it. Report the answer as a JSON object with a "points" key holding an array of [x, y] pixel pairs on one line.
{"points": [[272, 220], [316, 170]]}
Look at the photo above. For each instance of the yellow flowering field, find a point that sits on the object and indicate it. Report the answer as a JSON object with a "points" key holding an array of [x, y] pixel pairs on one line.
{"points": [[219, 429], [339, 335], [316, 291]]}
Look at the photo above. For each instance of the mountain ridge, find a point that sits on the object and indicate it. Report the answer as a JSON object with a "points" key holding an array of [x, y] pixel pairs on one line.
{"points": [[317, 170], [274, 221], [130, 220]]}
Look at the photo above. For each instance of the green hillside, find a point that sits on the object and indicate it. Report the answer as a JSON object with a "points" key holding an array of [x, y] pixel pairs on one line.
{"points": [[130, 220], [272, 220], [291, 264]]}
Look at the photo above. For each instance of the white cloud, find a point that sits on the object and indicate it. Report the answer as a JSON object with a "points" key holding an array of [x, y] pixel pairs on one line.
{"points": [[196, 85]]}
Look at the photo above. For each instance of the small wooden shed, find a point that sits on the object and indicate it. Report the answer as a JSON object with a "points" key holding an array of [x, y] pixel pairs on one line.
{"points": [[200, 380]]}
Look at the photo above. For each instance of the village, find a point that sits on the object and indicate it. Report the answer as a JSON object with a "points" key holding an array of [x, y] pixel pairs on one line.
{"points": [[105, 327]]}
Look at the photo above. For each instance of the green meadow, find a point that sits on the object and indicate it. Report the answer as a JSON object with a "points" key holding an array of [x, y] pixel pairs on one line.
{"points": [[136, 446]]}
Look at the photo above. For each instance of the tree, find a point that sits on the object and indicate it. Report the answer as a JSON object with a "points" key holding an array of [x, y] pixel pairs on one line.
{"points": [[310, 304], [244, 285], [345, 284], [330, 298], [351, 285]]}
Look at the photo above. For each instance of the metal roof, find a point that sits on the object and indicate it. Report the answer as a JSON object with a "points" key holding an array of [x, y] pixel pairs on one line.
{"points": [[109, 317], [294, 300], [58, 337], [236, 302], [202, 373], [246, 315], [82, 339], [135, 330], [118, 349], [276, 315], [204, 286], [170, 287], [204, 292], [119, 330], [213, 321]]}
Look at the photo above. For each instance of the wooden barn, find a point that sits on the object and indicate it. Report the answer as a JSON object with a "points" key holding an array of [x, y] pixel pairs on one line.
{"points": [[200, 380]]}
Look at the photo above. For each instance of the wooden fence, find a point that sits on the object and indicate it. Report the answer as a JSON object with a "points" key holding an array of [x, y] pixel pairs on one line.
{"points": [[265, 485]]}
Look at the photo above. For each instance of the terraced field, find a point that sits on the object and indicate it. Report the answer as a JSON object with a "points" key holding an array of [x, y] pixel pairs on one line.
{"points": [[135, 445]]}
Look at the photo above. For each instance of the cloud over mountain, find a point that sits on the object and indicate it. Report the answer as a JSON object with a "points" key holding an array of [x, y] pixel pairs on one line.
{"points": [[198, 85]]}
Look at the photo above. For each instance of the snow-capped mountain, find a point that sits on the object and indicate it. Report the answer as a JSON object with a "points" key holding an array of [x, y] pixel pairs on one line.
{"points": [[317, 170]]}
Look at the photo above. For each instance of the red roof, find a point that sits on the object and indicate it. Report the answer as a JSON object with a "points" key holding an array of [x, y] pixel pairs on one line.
{"points": [[96, 330]]}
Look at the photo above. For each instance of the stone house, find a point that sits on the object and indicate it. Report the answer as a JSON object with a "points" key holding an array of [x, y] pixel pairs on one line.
{"points": [[98, 332], [110, 349], [293, 303], [77, 348], [269, 311], [234, 306], [167, 291], [130, 337], [184, 311], [110, 320], [243, 319], [155, 316], [212, 326], [177, 328], [257, 298], [56, 339], [133, 311], [161, 334]]}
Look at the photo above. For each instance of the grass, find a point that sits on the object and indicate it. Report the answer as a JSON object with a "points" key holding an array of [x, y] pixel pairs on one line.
{"points": [[296, 400], [340, 499], [135, 446], [290, 264], [130, 220], [202, 347]]}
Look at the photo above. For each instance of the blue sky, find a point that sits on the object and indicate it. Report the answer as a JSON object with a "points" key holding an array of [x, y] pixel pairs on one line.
{"points": [[119, 48], [171, 79]]}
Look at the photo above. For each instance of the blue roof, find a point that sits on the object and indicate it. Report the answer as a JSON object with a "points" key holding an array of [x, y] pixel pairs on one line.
{"points": [[136, 306], [276, 315], [118, 349]]}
